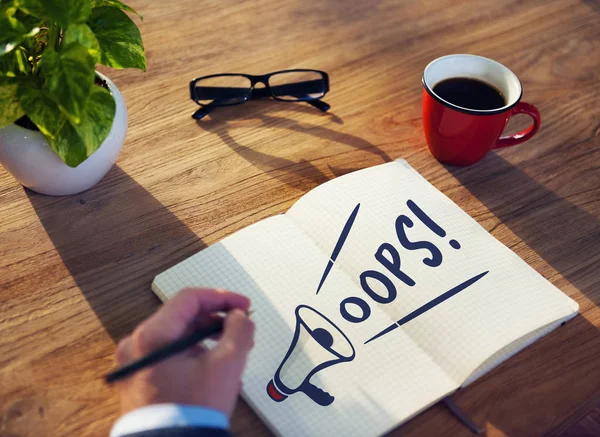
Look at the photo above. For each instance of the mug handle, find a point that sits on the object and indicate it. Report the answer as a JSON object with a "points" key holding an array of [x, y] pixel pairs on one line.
{"points": [[524, 135]]}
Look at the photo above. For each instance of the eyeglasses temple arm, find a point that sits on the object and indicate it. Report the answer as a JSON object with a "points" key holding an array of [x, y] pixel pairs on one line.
{"points": [[319, 104], [202, 112]]}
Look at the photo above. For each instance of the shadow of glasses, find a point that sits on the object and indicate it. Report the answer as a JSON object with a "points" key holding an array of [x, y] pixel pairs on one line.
{"points": [[301, 174]]}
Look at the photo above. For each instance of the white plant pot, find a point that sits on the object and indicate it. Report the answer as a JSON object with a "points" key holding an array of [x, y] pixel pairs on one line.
{"points": [[28, 157]]}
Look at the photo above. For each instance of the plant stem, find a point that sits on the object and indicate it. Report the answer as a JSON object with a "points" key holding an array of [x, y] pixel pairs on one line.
{"points": [[53, 36]]}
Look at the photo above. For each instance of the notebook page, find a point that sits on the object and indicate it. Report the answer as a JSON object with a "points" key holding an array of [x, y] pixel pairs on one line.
{"points": [[510, 350], [278, 267], [492, 297]]}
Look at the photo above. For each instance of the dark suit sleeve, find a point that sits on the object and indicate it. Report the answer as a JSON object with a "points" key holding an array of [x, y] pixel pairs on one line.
{"points": [[182, 432]]}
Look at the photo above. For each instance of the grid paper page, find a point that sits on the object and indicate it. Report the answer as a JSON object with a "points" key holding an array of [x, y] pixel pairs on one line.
{"points": [[496, 312], [510, 350], [279, 268]]}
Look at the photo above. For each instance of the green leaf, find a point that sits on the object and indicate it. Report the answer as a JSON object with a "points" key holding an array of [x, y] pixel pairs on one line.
{"points": [[13, 31], [115, 4], [119, 38], [82, 34], [7, 7], [75, 143], [10, 108], [62, 12], [69, 77], [15, 63], [41, 109], [29, 21]]}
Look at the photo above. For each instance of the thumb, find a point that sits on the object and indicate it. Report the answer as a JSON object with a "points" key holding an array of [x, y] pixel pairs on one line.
{"points": [[238, 335]]}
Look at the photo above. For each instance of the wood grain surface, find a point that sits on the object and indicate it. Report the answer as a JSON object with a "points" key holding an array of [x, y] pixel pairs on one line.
{"points": [[75, 272]]}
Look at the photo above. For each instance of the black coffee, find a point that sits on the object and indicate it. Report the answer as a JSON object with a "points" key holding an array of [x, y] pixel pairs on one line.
{"points": [[470, 93]]}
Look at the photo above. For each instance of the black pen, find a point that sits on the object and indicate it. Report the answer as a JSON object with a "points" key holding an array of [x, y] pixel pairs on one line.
{"points": [[166, 351]]}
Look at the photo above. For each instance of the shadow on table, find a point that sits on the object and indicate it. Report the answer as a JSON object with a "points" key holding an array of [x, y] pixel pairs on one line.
{"points": [[565, 235], [302, 174], [113, 239]]}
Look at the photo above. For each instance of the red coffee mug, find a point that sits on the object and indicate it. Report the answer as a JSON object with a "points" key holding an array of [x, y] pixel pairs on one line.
{"points": [[462, 136]]}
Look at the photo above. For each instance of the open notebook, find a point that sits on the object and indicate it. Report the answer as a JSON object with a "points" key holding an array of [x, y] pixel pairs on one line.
{"points": [[374, 297]]}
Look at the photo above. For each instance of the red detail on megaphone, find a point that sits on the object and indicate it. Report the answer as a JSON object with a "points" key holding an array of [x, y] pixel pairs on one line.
{"points": [[275, 394]]}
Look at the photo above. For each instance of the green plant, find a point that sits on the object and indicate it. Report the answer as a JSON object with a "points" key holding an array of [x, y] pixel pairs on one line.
{"points": [[48, 55]]}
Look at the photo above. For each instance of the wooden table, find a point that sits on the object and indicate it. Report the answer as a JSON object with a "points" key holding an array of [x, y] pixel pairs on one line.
{"points": [[75, 272]]}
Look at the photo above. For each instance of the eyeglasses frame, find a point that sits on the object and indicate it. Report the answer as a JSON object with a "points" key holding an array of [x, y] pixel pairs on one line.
{"points": [[264, 92]]}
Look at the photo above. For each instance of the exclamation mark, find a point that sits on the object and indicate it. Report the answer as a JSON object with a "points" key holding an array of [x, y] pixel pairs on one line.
{"points": [[428, 221]]}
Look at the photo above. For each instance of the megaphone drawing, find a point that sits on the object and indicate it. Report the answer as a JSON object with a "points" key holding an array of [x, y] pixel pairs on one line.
{"points": [[315, 336]]}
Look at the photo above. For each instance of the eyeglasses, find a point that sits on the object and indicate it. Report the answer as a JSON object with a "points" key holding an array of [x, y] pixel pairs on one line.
{"points": [[233, 89]]}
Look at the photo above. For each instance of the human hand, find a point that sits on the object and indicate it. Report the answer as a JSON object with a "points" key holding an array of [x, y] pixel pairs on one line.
{"points": [[208, 378]]}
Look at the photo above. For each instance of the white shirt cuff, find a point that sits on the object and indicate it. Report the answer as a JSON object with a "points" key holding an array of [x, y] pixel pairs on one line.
{"points": [[168, 416]]}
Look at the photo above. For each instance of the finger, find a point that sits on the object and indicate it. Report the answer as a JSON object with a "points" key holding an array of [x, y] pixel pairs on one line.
{"points": [[189, 303], [238, 335], [196, 351], [205, 320], [201, 322], [212, 300], [173, 319], [215, 337], [125, 353]]}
